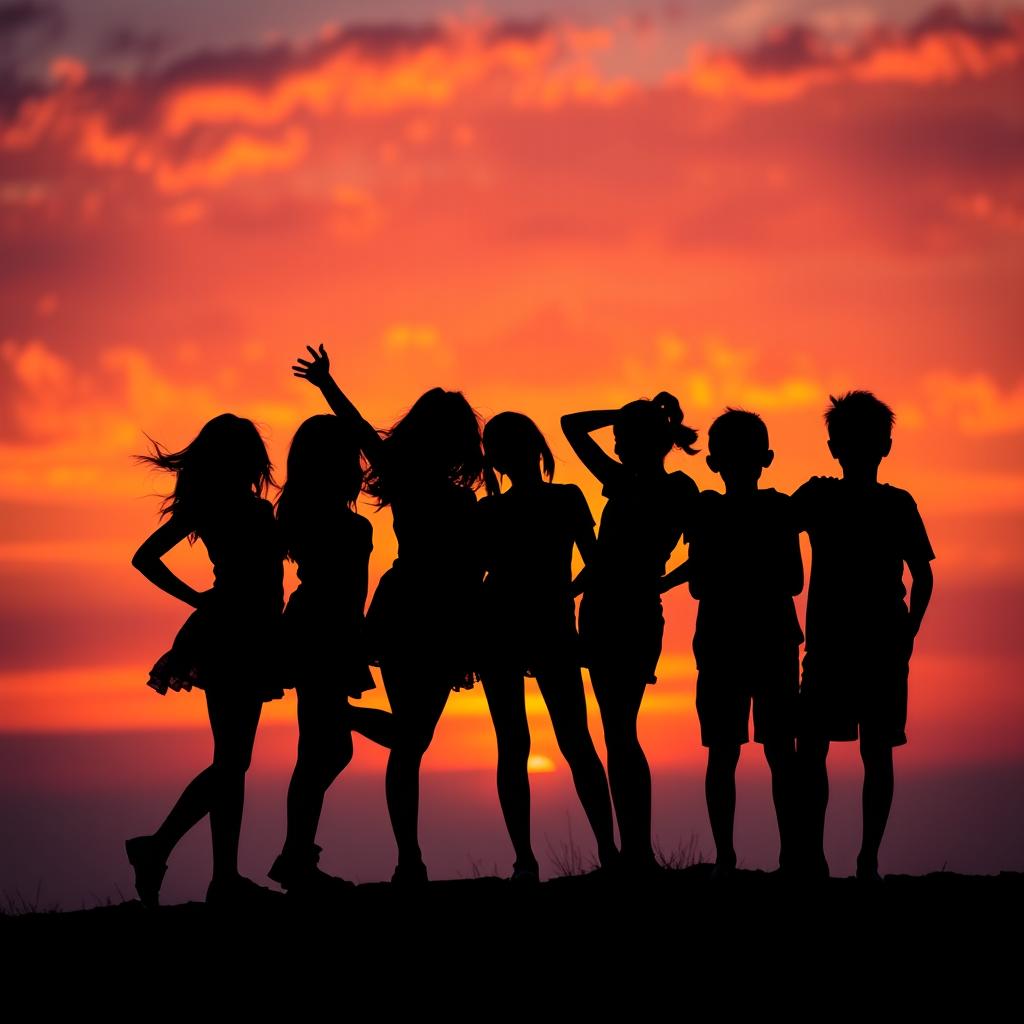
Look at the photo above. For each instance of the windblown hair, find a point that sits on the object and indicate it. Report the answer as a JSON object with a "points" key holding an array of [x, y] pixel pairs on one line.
{"points": [[324, 471], [437, 440], [656, 424], [858, 416], [227, 457], [510, 434]]}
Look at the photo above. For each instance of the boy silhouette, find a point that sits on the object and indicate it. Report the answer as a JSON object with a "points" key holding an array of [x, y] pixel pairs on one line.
{"points": [[860, 632], [744, 568]]}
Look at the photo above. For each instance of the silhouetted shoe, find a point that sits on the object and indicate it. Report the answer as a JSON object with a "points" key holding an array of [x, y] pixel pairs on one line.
{"points": [[149, 869], [411, 874], [300, 876], [527, 873], [238, 892]]}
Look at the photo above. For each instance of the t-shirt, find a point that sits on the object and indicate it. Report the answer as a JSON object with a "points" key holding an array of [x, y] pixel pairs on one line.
{"points": [[331, 547], [640, 527], [527, 536], [744, 556], [860, 539]]}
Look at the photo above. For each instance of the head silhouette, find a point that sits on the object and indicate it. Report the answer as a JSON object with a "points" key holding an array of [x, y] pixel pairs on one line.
{"points": [[324, 470], [226, 459], [514, 447], [859, 430], [647, 430], [437, 441], [738, 447]]}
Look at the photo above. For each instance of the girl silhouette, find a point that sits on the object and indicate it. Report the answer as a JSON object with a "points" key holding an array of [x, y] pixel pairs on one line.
{"points": [[621, 622], [324, 636], [529, 626], [228, 646], [419, 623]]}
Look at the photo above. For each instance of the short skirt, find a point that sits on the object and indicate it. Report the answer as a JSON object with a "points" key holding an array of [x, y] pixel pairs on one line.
{"points": [[225, 646], [324, 647], [621, 635], [426, 624], [525, 637]]}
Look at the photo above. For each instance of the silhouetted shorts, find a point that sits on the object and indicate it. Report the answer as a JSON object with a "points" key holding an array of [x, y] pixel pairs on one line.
{"points": [[862, 695], [728, 683]]}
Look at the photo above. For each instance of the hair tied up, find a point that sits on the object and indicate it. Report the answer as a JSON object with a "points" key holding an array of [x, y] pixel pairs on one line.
{"points": [[682, 436]]}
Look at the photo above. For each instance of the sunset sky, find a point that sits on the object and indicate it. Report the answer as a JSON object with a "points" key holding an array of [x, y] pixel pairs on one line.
{"points": [[550, 206]]}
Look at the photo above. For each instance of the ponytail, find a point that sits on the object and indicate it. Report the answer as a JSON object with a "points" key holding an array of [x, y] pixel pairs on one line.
{"points": [[681, 435]]}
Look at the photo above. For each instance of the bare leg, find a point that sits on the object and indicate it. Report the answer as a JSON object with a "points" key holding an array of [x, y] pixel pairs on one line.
{"points": [[506, 700], [234, 728], [416, 704], [376, 725], [628, 771], [563, 693], [720, 793], [781, 758], [877, 802], [812, 767], [234, 720], [325, 749]]}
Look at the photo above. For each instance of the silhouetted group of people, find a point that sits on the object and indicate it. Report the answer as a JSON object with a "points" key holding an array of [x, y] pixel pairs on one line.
{"points": [[483, 590]]}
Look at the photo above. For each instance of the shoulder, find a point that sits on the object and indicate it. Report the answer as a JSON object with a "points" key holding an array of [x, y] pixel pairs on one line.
{"points": [[684, 486], [899, 502], [772, 498], [568, 493], [817, 487], [897, 496]]}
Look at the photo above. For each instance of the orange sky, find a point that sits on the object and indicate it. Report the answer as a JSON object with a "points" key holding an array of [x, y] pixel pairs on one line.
{"points": [[550, 216]]}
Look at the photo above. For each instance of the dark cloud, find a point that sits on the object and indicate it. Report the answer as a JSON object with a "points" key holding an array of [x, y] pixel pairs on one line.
{"points": [[950, 18], [797, 48], [263, 67], [128, 42], [27, 16], [519, 30], [793, 48]]}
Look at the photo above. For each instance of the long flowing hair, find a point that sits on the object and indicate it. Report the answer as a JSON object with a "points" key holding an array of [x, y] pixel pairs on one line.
{"points": [[226, 458], [324, 470], [437, 440]]}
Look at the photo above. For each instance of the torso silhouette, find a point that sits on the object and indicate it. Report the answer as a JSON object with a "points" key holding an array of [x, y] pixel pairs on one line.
{"points": [[745, 564], [860, 537], [640, 527], [244, 543], [621, 622], [423, 606], [331, 545], [527, 537], [234, 638]]}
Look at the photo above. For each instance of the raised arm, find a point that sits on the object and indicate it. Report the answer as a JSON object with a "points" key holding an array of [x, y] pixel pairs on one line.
{"points": [[577, 427], [317, 370], [148, 560]]}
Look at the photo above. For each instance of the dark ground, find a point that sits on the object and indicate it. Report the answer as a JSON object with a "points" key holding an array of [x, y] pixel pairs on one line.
{"points": [[485, 947]]}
